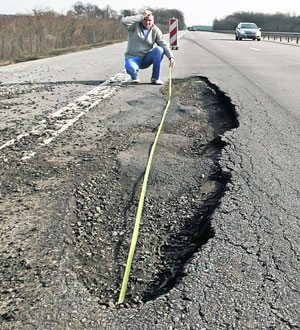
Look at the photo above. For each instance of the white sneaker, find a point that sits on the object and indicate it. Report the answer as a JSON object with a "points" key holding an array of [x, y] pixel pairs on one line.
{"points": [[135, 81], [156, 82]]}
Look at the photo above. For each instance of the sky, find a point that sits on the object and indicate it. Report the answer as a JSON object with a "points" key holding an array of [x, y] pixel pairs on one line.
{"points": [[196, 12]]}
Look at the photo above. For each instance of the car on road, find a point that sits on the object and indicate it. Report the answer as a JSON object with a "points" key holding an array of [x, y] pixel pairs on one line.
{"points": [[248, 31]]}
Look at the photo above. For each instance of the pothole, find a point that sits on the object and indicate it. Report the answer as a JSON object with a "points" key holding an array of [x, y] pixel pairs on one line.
{"points": [[185, 186]]}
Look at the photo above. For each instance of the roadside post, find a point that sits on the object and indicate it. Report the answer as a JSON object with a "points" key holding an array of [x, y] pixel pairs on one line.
{"points": [[173, 28]]}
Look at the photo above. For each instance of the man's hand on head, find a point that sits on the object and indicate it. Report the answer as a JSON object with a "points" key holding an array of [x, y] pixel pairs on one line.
{"points": [[147, 13]]}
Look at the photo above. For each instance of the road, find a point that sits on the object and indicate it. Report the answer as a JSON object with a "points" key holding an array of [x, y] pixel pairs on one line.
{"points": [[246, 275]]}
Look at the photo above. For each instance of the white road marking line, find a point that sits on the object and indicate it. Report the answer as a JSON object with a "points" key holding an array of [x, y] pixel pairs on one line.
{"points": [[69, 114], [69, 123], [8, 143], [12, 141], [256, 49], [180, 35]]}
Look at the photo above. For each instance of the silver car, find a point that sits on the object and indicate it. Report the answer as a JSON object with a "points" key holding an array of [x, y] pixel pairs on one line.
{"points": [[247, 31]]}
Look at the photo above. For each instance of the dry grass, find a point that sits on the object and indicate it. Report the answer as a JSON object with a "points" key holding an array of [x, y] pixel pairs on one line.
{"points": [[31, 37]]}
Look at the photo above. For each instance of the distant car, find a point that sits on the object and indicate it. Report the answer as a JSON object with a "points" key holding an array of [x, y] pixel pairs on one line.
{"points": [[247, 31]]}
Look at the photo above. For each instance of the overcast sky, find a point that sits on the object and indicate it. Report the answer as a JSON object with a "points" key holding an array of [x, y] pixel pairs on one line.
{"points": [[195, 12]]}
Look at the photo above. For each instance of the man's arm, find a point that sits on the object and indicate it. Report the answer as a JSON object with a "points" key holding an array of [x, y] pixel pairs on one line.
{"points": [[168, 52], [129, 21]]}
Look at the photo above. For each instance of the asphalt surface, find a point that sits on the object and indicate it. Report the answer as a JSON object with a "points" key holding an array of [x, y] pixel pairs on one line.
{"points": [[244, 277]]}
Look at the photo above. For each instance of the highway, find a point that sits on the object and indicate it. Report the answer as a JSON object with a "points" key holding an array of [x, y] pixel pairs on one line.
{"points": [[244, 277]]}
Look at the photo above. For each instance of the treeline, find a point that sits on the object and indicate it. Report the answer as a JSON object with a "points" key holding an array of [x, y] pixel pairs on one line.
{"points": [[268, 22], [25, 37], [162, 15], [45, 33]]}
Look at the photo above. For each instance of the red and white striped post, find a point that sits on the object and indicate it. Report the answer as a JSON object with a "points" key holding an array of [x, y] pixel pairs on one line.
{"points": [[173, 28]]}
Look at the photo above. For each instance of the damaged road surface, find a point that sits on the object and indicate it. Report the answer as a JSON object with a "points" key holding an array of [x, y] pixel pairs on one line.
{"points": [[68, 213], [185, 186], [219, 238]]}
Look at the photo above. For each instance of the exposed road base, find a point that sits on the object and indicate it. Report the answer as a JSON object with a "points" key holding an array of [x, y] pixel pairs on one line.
{"points": [[68, 213]]}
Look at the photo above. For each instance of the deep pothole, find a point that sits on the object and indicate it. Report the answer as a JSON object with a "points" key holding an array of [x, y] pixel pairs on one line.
{"points": [[185, 186]]}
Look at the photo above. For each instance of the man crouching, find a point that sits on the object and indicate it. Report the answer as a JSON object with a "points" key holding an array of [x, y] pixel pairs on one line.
{"points": [[141, 52]]}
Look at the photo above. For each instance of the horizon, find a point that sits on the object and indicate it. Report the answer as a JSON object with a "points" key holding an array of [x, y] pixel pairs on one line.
{"points": [[203, 13], [291, 14]]}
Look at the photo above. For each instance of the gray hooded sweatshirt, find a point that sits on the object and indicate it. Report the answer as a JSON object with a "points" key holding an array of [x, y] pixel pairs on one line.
{"points": [[139, 44]]}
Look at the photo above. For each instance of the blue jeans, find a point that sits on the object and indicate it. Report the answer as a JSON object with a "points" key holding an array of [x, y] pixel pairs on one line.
{"points": [[134, 64]]}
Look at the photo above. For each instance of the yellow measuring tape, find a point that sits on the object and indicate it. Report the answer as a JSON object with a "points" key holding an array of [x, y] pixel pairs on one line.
{"points": [[142, 198]]}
